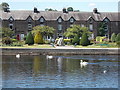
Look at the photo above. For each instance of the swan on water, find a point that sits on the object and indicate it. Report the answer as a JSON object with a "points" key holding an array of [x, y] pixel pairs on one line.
{"points": [[18, 56], [83, 63], [104, 71], [49, 57]]}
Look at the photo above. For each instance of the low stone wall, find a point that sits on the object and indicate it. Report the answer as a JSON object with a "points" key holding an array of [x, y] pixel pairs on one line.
{"points": [[55, 51]]}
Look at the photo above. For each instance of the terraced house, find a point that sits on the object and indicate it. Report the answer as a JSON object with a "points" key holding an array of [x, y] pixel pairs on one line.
{"points": [[22, 21]]}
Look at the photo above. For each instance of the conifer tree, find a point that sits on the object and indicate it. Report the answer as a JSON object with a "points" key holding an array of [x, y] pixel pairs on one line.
{"points": [[38, 39], [84, 40], [29, 39]]}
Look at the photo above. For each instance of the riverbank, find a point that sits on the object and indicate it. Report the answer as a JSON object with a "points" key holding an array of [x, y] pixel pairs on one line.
{"points": [[60, 51]]}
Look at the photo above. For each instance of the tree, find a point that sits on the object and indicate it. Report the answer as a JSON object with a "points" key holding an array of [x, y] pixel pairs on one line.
{"points": [[101, 30], [38, 38], [29, 39], [76, 30], [50, 9], [84, 40], [4, 6], [118, 37], [6, 32], [113, 37], [44, 30], [76, 40], [69, 9]]}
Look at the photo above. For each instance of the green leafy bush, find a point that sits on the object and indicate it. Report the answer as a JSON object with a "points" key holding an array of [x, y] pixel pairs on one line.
{"points": [[6, 40], [118, 44], [118, 37], [76, 40], [29, 39], [113, 37], [14, 40], [84, 40], [38, 39], [19, 43]]}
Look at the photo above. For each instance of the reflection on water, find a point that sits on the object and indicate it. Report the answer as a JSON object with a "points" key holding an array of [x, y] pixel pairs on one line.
{"points": [[60, 72]]}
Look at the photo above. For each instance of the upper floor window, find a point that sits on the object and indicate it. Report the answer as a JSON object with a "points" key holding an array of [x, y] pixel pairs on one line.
{"points": [[11, 19], [60, 20], [90, 20], [42, 19], [91, 27], [29, 26], [29, 19], [72, 20], [59, 27], [11, 26]]}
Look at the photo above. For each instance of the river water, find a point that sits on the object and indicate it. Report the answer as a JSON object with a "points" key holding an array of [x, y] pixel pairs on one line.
{"points": [[60, 71]]}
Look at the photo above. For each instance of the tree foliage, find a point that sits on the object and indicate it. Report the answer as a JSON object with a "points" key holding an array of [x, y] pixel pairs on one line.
{"points": [[76, 30], [113, 37], [29, 39], [118, 37], [50, 9], [44, 30], [38, 39], [69, 9], [76, 40], [84, 40], [4, 6], [6, 32], [101, 30]]}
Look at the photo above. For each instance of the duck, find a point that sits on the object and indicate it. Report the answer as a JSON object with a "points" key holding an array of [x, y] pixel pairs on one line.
{"points": [[83, 63], [49, 57], [18, 56]]}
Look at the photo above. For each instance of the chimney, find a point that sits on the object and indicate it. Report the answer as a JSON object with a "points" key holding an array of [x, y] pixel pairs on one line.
{"points": [[64, 10], [95, 10], [35, 10]]}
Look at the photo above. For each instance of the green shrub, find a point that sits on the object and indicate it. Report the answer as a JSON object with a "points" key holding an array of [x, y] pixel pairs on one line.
{"points": [[118, 37], [14, 40], [84, 40], [38, 39], [29, 39], [6, 40], [98, 38], [118, 44], [113, 37], [76, 40], [19, 43]]}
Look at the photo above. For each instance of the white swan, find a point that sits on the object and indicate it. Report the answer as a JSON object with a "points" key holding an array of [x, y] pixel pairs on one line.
{"points": [[49, 57], [104, 71], [18, 56], [83, 63]]}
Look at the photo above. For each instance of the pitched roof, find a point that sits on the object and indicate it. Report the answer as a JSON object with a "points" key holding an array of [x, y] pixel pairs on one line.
{"points": [[54, 15]]}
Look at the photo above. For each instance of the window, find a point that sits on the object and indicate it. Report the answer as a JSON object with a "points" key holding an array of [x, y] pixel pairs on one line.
{"points": [[91, 27], [11, 26], [60, 20], [11, 19], [21, 36], [41, 19], [41, 24], [59, 27], [82, 25], [29, 26], [71, 20], [29, 19]]}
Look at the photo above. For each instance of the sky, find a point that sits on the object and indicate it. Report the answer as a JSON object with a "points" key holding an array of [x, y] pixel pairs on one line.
{"points": [[82, 5]]}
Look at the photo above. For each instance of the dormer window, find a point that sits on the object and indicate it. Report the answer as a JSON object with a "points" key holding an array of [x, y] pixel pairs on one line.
{"points": [[41, 19], [29, 19], [90, 20], [11, 19], [72, 20], [59, 20]]}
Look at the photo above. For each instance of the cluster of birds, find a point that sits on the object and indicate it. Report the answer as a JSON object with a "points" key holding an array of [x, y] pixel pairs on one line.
{"points": [[82, 63]]}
